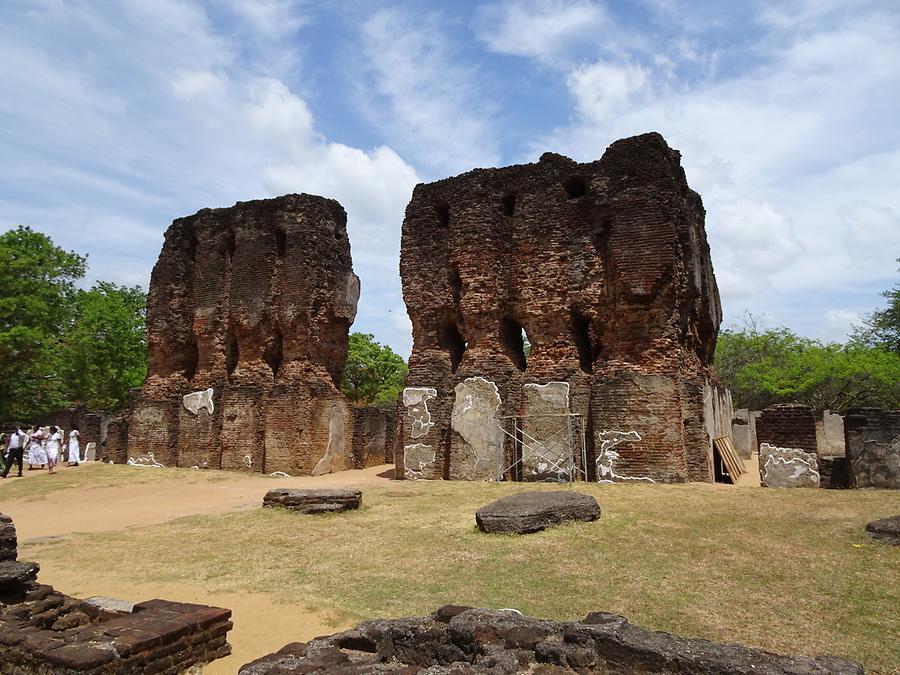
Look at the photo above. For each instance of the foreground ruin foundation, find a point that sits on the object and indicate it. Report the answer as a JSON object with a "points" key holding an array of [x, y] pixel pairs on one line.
{"points": [[247, 320], [603, 270]]}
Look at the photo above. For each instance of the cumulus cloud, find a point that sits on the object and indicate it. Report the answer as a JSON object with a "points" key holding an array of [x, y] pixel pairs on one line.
{"points": [[159, 129], [420, 92], [539, 29], [603, 89]]}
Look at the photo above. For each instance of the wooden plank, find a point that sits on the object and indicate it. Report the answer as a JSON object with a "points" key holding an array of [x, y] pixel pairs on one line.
{"points": [[734, 466]]}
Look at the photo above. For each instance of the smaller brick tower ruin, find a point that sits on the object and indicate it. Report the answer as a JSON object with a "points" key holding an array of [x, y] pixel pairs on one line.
{"points": [[247, 320], [604, 269]]}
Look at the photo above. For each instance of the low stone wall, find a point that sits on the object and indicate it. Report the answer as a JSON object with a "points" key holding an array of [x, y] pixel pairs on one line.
{"points": [[92, 425], [45, 632], [872, 439], [787, 425], [465, 640]]}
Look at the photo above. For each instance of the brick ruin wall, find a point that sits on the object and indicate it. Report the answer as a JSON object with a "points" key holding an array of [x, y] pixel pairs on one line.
{"points": [[872, 440], [606, 269], [46, 632], [254, 303], [373, 436], [92, 426], [788, 425]]}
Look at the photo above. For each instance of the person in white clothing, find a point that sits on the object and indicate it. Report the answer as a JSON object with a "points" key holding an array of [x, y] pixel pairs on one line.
{"points": [[36, 453], [53, 445], [74, 447]]}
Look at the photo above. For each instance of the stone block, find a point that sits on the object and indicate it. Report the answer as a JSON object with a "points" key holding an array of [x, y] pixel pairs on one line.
{"points": [[886, 530], [787, 467], [314, 500], [873, 448], [528, 512]]}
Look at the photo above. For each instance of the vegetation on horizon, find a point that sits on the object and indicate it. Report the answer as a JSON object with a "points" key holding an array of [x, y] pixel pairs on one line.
{"points": [[61, 345]]}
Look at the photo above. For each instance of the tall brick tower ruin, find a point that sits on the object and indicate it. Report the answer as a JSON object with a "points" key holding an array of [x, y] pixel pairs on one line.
{"points": [[604, 269], [247, 321]]}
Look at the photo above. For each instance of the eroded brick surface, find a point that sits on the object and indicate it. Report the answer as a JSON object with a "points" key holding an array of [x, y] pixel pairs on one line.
{"points": [[253, 302], [605, 266]]}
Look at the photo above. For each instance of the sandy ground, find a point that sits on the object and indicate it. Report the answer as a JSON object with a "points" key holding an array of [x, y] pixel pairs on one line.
{"points": [[136, 505], [101, 509]]}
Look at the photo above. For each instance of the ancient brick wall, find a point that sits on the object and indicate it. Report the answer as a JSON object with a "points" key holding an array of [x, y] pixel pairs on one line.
{"points": [[872, 441], [605, 268], [788, 425], [46, 632], [248, 314], [373, 436], [92, 424]]}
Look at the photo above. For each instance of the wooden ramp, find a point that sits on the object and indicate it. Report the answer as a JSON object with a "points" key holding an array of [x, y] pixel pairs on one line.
{"points": [[734, 465]]}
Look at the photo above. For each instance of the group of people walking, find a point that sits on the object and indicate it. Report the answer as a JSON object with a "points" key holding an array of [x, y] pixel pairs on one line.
{"points": [[42, 445]]}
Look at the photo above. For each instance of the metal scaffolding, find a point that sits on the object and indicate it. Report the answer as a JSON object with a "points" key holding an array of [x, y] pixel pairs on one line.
{"points": [[559, 457]]}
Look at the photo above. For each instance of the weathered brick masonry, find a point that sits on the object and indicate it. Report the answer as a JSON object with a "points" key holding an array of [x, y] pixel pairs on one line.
{"points": [[46, 632], [606, 267], [872, 439], [788, 425], [255, 303]]}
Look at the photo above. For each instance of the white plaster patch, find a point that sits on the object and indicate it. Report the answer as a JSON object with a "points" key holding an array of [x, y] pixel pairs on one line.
{"points": [[416, 401], [333, 459], [248, 462], [416, 458], [279, 474], [474, 418], [90, 452], [554, 393], [609, 439], [787, 467], [199, 399], [145, 460]]}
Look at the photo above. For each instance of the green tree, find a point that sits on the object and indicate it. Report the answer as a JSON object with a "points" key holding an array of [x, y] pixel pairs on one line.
{"points": [[37, 293], [374, 374], [764, 367], [881, 328], [104, 352]]}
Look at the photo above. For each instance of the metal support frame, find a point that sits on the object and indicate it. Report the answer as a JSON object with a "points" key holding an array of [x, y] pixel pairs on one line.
{"points": [[569, 441]]}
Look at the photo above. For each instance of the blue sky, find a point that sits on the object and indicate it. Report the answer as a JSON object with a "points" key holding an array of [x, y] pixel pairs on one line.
{"points": [[116, 118]]}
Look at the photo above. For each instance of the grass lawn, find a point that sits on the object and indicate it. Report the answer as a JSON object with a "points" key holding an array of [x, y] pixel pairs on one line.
{"points": [[787, 570]]}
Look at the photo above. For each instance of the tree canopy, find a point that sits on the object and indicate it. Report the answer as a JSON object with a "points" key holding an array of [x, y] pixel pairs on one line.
{"points": [[881, 328], [60, 345], [764, 367], [374, 373]]}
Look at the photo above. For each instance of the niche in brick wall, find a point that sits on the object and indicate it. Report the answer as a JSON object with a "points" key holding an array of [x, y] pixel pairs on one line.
{"points": [[280, 242], [575, 187], [451, 339], [442, 211], [231, 353], [508, 204], [229, 243], [581, 334], [273, 353], [513, 339], [191, 358]]}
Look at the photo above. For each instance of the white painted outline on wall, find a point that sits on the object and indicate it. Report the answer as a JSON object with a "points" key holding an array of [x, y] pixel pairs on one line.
{"points": [[609, 439]]}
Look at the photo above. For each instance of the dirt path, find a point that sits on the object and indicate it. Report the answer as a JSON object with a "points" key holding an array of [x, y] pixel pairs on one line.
{"points": [[101, 509], [254, 633], [97, 509]]}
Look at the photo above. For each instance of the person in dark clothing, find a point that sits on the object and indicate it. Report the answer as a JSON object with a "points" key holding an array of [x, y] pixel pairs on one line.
{"points": [[17, 440]]}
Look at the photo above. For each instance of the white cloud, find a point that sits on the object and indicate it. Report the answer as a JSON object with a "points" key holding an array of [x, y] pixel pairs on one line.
{"points": [[421, 94], [603, 89], [118, 145], [539, 29], [869, 230]]}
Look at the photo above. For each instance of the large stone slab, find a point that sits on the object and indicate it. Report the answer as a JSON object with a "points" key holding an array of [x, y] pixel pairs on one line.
{"points": [[314, 500], [480, 438], [14, 574], [465, 640], [534, 511], [886, 530], [787, 467]]}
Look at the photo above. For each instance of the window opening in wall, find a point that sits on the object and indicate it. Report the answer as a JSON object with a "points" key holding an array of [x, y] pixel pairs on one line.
{"points": [[581, 333], [575, 186], [273, 353], [231, 353], [230, 243], [508, 203], [452, 340], [280, 242], [191, 357], [513, 339], [443, 214], [192, 245]]}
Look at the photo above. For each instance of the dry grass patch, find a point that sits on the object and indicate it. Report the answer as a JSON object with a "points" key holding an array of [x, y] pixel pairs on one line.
{"points": [[786, 570]]}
